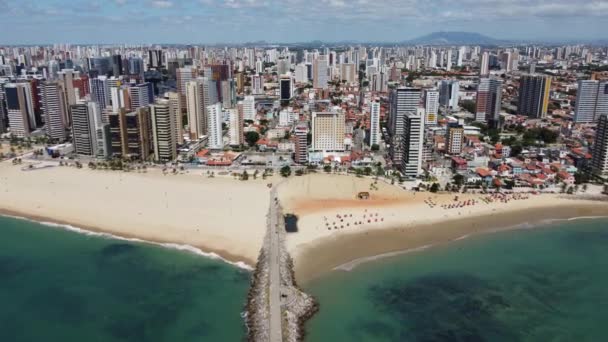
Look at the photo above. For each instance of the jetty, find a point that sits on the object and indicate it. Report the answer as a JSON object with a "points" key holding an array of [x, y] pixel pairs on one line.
{"points": [[276, 307]]}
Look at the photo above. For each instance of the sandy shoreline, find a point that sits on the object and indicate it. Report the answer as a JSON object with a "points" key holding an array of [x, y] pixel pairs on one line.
{"points": [[216, 215], [227, 217], [209, 252], [335, 228], [325, 255]]}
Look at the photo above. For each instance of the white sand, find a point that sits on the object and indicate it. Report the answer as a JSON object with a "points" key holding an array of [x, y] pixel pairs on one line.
{"points": [[327, 196], [218, 215]]}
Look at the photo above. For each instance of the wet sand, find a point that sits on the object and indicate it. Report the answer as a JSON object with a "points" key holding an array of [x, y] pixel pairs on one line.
{"points": [[322, 255]]}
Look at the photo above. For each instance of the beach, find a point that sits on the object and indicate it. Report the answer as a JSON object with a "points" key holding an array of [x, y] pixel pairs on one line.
{"points": [[337, 230], [217, 215], [227, 217]]}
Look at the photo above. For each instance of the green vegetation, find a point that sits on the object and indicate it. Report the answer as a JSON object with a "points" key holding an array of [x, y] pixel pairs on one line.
{"points": [[252, 138], [469, 106], [286, 171]]}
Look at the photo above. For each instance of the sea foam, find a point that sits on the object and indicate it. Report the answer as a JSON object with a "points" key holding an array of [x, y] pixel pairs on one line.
{"points": [[175, 246]]}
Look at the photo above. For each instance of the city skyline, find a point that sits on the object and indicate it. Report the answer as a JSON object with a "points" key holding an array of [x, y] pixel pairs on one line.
{"points": [[239, 21]]}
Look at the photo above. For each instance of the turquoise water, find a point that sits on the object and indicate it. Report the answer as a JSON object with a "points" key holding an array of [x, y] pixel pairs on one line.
{"points": [[57, 285], [544, 284]]}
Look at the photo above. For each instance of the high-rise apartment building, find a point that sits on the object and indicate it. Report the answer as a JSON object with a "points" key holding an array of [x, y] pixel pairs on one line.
{"points": [[599, 160], [236, 124], [214, 124], [591, 101], [176, 111], [449, 91], [320, 70], [100, 91], [141, 95], [534, 93], [301, 73], [130, 134], [257, 86], [200, 94], [431, 106], [90, 135], [20, 109], [413, 142], [249, 109], [184, 75], [164, 140], [67, 77], [374, 124], [55, 110], [286, 87], [489, 100], [121, 98], [301, 143], [402, 100], [328, 130], [484, 66], [348, 72], [455, 139]]}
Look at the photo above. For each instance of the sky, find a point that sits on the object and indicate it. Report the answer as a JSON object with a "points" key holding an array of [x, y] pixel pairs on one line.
{"points": [[237, 21]]}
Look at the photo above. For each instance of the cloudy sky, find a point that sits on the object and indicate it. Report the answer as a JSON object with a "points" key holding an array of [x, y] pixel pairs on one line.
{"points": [[233, 21]]}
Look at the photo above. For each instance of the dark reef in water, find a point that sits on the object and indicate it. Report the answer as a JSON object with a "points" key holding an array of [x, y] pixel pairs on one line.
{"points": [[443, 307]]}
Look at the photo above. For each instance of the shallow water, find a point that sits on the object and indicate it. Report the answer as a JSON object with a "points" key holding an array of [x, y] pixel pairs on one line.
{"points": [[57, 285], [543, 284]]}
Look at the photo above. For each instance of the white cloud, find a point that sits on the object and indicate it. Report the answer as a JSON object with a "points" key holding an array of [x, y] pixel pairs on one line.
{"points": [[162, 4]]}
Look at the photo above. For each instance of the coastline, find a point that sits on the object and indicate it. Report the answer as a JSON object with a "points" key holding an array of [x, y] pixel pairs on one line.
{"points": [[204, 251], [327, 254], [219, 216]]}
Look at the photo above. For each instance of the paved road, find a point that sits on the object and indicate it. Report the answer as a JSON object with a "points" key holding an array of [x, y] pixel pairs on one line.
{"points": [[276, 330]]}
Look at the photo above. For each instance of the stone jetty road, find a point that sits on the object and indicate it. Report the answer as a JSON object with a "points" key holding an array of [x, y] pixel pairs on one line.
{"points": [[276, 318]]}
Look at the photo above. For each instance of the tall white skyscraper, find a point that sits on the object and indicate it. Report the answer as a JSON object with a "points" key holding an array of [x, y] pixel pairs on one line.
{"points": [[249, 111], [413, 142], [236, 123], [448, 65], [301, 73], [200, 94], [431, 106], [484, 66], [403, 100], [599, 160], [591, 101], [90, 135], [461, 53], [184, 75], [374, 124], [53, 105], [320, 72], [214, 124]]}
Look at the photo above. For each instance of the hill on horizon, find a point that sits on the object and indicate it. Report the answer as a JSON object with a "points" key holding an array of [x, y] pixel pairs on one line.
{"points": [[454, 38]]}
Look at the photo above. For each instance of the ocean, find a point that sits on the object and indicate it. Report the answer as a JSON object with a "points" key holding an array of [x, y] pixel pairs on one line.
{"points": [[543, 284], [57, 285]]}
